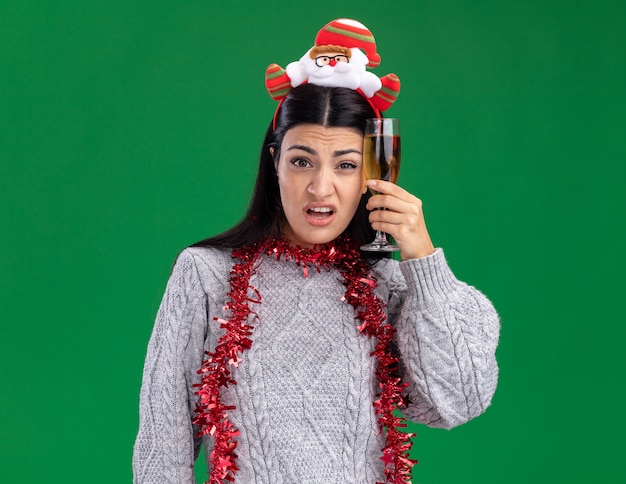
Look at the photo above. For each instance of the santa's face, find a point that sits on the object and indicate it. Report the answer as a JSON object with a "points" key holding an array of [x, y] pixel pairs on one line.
{"points": [[330, 63], [335, 68]]}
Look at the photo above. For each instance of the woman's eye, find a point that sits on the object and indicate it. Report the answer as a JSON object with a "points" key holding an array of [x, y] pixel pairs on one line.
{"points": [[300, 162], [348, 165]]}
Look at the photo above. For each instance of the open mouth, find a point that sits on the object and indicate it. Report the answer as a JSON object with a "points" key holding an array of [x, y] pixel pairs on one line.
{"points": [[320, 212], [320, 216]]}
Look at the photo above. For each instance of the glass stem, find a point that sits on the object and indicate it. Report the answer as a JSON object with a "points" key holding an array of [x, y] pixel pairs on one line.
{"points": [[381, 238]]}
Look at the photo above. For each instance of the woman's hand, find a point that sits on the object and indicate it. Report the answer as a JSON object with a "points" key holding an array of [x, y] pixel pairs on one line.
{"points": [[403, 218]]}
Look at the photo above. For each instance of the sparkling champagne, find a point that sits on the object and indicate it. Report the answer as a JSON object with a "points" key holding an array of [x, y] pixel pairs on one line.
{"points": [[381, 157], [381, 161]]}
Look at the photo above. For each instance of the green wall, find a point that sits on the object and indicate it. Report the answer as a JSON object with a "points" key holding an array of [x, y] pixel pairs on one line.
{"points": [[129, 129]]}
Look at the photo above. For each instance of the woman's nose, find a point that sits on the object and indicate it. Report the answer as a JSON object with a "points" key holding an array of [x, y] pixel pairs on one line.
{"points": [[322, 184]]}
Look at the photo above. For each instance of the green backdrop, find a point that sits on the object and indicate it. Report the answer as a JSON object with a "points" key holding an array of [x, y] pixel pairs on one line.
{"points": [[130, 129]]}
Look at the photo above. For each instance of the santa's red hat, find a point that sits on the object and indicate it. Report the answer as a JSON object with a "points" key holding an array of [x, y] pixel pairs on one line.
{"points": [[349, 33]]}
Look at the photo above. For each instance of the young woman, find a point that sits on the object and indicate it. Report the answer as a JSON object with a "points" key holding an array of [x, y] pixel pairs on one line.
{"points": [[311, 345]]}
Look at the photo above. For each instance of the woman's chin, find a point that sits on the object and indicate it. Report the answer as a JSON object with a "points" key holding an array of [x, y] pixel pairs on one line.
{"points": [[313, 238]]}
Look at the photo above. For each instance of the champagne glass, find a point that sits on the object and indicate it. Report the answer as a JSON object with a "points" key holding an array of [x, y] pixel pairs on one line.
{"points": [[381, 161]]}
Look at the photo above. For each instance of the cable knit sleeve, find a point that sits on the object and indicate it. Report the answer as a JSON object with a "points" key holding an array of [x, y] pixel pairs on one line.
{"points": [[447, 333], [165, 449]]}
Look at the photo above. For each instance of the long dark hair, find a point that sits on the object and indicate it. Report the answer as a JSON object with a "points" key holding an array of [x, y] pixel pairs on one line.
{"points": [[307, 104]]}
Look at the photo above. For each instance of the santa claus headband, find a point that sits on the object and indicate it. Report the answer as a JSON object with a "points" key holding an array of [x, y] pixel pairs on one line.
{"points": [[342, 51]]}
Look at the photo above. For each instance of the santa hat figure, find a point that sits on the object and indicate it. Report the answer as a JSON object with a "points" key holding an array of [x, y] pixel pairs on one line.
{"points": [[349, 33], [346, 39]]}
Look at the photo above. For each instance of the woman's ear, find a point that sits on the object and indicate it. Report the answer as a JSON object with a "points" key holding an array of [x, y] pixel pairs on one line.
{"points": [[272, 152]]}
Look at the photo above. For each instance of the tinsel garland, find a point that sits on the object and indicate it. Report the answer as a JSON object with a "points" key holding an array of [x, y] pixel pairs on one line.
{"points": [[212, 414]]}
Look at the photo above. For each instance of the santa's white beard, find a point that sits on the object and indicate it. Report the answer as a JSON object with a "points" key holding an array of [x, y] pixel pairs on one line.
{"points": [[341, 75], [327, 71]]}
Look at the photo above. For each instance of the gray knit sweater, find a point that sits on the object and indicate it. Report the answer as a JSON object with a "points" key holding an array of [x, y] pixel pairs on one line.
{"points": [[304, 391]]}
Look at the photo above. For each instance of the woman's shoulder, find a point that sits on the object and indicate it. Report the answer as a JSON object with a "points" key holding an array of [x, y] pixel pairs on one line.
{"points": [[206, 252], [208, 262]]}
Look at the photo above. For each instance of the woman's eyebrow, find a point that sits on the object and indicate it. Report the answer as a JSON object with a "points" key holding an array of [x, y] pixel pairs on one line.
{"points": [[345, 152], [311, 151], [303, 148]]}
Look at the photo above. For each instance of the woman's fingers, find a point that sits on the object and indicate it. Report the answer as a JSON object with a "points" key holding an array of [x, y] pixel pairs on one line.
{"points": [[399, 213]]}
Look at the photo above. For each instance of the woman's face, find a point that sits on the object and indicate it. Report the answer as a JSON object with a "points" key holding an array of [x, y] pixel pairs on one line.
{"points": [[320, 180]]}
